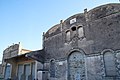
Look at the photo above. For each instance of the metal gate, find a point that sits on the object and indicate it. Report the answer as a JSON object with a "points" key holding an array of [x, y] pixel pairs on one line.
{"points": [[76, 66]]}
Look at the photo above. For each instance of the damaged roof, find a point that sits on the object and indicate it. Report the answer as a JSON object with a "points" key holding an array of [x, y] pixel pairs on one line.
{"points": [[36, 55]]}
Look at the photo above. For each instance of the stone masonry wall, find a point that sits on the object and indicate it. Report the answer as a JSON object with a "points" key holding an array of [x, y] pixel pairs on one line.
{"points": [[100, 44]]}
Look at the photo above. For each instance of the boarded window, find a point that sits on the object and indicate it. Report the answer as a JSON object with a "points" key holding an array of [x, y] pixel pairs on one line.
{"points": [[76, 66], [7, 71], [67, 35], [109, 62], [52, 68], [20, 71], [33, 71], [26, 71], [80, 31]]}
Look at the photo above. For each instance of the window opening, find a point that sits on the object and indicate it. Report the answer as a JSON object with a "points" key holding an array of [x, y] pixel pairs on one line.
{"points": [[109, 62], [73, 28], [80, 31], [52, 68], [68, 35]]}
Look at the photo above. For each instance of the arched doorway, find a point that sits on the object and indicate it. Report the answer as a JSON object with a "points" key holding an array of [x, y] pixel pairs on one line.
{"points": [[76, 66]]}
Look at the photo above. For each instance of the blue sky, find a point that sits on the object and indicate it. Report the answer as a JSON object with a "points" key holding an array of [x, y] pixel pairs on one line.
{"points": [[25, 20]]}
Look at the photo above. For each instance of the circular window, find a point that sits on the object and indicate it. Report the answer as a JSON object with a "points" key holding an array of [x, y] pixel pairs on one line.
{"points": [[73, 28]]}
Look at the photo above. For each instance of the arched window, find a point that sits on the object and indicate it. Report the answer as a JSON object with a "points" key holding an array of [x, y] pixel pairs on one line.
{"points": [[52, 68], [80, 31], [68, 35], [109, 62]]}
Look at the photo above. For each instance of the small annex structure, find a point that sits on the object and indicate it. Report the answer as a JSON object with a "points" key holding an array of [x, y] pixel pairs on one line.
{"points": [[15, 64], [86, 46]]}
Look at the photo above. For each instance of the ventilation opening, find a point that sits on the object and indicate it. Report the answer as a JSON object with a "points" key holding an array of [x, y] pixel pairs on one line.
{"points": [[73, 28]]}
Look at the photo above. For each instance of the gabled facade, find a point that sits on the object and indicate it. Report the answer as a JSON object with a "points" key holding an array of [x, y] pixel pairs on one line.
{"points": [[86, 46]]}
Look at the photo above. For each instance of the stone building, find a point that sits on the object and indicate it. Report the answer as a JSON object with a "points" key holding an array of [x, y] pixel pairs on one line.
{"points": [[86, 46]]}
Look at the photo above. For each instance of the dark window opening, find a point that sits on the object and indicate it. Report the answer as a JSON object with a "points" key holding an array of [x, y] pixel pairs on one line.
{"points": [[52, 68], [73, 28]]}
